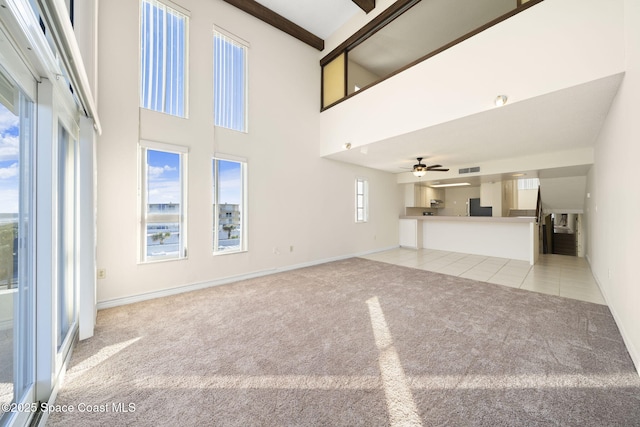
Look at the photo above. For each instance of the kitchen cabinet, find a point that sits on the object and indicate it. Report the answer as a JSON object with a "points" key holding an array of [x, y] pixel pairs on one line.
{"points": [[435, 194], [414, 196], [490, 193], [491, 196], [420, 196]]}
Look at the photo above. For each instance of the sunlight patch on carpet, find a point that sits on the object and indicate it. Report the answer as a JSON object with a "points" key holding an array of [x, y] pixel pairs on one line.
{"points": [[280, 382], [529, 381], [401, 406], [100, 357]]}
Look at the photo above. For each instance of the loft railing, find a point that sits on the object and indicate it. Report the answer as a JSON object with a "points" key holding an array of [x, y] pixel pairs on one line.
{"points": [[407, 33]]}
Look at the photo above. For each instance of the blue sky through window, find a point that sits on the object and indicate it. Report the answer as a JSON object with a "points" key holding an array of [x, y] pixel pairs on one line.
{"points": [[9, 161], [163, 177], [229, 182]]}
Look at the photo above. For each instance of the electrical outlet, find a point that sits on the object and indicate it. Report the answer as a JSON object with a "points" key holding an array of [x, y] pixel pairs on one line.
{"points": [[290, 248], [102, 273]]}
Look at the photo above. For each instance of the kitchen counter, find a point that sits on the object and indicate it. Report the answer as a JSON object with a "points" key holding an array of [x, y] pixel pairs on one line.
{"points": [[502, 237], [504, 219]]}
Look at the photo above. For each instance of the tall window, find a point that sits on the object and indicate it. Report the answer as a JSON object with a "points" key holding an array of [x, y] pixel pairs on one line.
{"points": [[528, 183], [229, 217], [17, 304], [66, 292], [362, 200], [163, 224], [229, 82], [163, 38]]}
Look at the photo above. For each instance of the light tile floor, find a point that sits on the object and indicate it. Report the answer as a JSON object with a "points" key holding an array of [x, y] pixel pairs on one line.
{"points": [[561, 275]]}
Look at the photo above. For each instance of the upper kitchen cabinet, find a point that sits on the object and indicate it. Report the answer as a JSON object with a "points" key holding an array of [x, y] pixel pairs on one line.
{"points": [[420, 196], [435, 197], [490, 194]]}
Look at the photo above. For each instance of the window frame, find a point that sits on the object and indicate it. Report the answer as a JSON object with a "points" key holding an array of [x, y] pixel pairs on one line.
{"points": [[22, 291], [365, 200], [143, 219], [243, 208], [67, 289], [231, 38], [528, 184], [175, 9]]}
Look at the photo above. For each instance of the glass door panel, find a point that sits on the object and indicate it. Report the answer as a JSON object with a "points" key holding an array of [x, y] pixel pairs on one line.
{"points": [[17, 297], [66, 235]]}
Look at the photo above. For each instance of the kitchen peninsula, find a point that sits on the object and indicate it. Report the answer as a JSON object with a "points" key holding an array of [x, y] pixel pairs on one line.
{"points": [[503, 237]]}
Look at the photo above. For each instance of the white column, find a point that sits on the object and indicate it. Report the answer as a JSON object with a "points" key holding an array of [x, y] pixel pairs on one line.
{"points": [[46, 248], [87, 228]]}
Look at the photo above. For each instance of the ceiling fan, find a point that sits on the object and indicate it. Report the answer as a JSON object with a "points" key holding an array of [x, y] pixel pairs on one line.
{"points": [[420, 168]]}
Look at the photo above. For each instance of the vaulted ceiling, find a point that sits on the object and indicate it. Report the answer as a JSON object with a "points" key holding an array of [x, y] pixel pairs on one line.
{"points": [[569, 119], [310, 21]]}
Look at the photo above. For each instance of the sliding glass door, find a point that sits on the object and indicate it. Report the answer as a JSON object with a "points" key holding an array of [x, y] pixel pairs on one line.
{"points": [[41, 157], [66, 286], [17, 237]]}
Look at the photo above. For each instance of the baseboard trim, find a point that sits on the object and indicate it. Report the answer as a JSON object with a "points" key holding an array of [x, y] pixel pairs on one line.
{"points": [[116, 302], [633, 351]]}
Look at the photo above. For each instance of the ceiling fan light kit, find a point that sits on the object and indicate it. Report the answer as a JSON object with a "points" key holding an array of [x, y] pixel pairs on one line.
{"points": [[420, 169]]}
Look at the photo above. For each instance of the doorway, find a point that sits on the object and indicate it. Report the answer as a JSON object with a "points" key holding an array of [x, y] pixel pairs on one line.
{"points": [[561, 234]]}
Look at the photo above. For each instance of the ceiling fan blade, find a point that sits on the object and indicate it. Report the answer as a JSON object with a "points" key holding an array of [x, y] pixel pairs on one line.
{"points": [[434, 166], [438, 170]]}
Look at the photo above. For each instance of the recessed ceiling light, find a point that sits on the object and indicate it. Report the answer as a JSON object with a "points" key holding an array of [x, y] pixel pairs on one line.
{"points": [[455, 184], [500, 100]]}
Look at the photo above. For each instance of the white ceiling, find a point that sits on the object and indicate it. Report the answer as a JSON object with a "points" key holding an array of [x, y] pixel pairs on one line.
{"points": [[568, 119], [319, 17]]}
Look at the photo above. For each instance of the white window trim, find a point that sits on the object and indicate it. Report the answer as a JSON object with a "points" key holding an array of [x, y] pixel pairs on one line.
{"points": [[217, 29], [243, 213], [365, 208], [247, 45], [142, 199], [187, 15]]}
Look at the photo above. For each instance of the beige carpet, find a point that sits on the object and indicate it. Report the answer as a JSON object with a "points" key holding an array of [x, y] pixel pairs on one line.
{"points": [[353, 343]]}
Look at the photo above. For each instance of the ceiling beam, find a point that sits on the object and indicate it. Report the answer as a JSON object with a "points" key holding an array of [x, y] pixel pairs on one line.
{"points": [[270, 17], [366, 5]]}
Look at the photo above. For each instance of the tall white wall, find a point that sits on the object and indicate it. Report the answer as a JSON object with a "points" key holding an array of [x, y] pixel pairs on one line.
{"points": [[296, 198], [613, 206]]}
